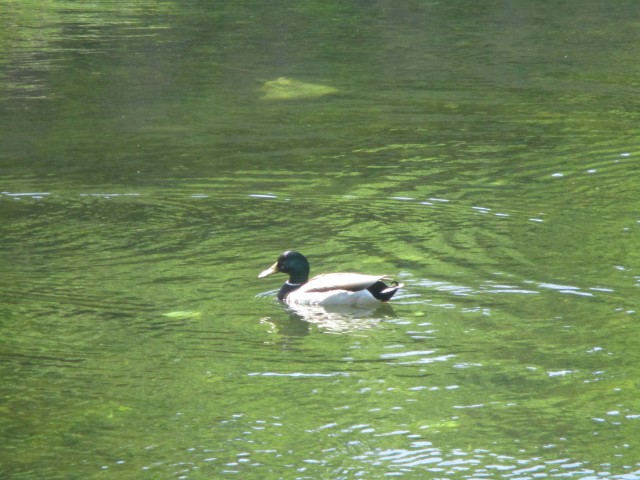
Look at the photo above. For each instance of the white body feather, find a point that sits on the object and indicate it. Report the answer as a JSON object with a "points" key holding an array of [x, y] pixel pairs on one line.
{"points": [[336, 289]]}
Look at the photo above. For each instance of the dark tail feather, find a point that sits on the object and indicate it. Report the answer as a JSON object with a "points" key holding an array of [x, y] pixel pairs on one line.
{"points": [[382, 291]]}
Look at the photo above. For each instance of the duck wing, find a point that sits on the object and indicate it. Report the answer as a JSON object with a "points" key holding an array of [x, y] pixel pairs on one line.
{"points": [[352, 282]]}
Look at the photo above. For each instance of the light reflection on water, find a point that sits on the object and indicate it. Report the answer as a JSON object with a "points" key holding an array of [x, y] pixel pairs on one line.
{"points": [[136, 286]]}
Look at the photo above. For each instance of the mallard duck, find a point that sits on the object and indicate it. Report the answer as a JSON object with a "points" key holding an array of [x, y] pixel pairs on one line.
{"points": [[352, 289]]}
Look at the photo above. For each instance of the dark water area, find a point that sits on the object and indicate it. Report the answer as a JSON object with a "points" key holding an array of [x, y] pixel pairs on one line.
{"points": [[156, 156]]}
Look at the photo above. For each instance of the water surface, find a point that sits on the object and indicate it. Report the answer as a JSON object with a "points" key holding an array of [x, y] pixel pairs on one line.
{"points": [[484, 154]]}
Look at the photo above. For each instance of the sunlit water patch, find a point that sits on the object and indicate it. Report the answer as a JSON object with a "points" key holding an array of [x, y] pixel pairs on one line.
{"points": [[147, 289]]}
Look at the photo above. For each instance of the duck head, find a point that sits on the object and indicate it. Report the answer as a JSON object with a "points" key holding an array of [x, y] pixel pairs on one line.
{"points": [[292, 263]]}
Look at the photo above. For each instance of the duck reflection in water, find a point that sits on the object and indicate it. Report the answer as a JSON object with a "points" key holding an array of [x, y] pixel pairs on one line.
{"points": [[329, 319]]}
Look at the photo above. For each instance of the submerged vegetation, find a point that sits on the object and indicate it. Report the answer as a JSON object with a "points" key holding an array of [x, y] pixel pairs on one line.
{"points": [[284, 88]]}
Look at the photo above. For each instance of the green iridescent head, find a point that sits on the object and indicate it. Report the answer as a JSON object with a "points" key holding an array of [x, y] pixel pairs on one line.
{"points": [[292, 263]]}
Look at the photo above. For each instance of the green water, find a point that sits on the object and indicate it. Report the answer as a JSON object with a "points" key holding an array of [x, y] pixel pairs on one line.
{"points": [[485, 154]]}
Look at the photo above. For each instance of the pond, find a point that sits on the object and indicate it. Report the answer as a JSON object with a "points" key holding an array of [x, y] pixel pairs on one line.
{"points": [[157, 156]]}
